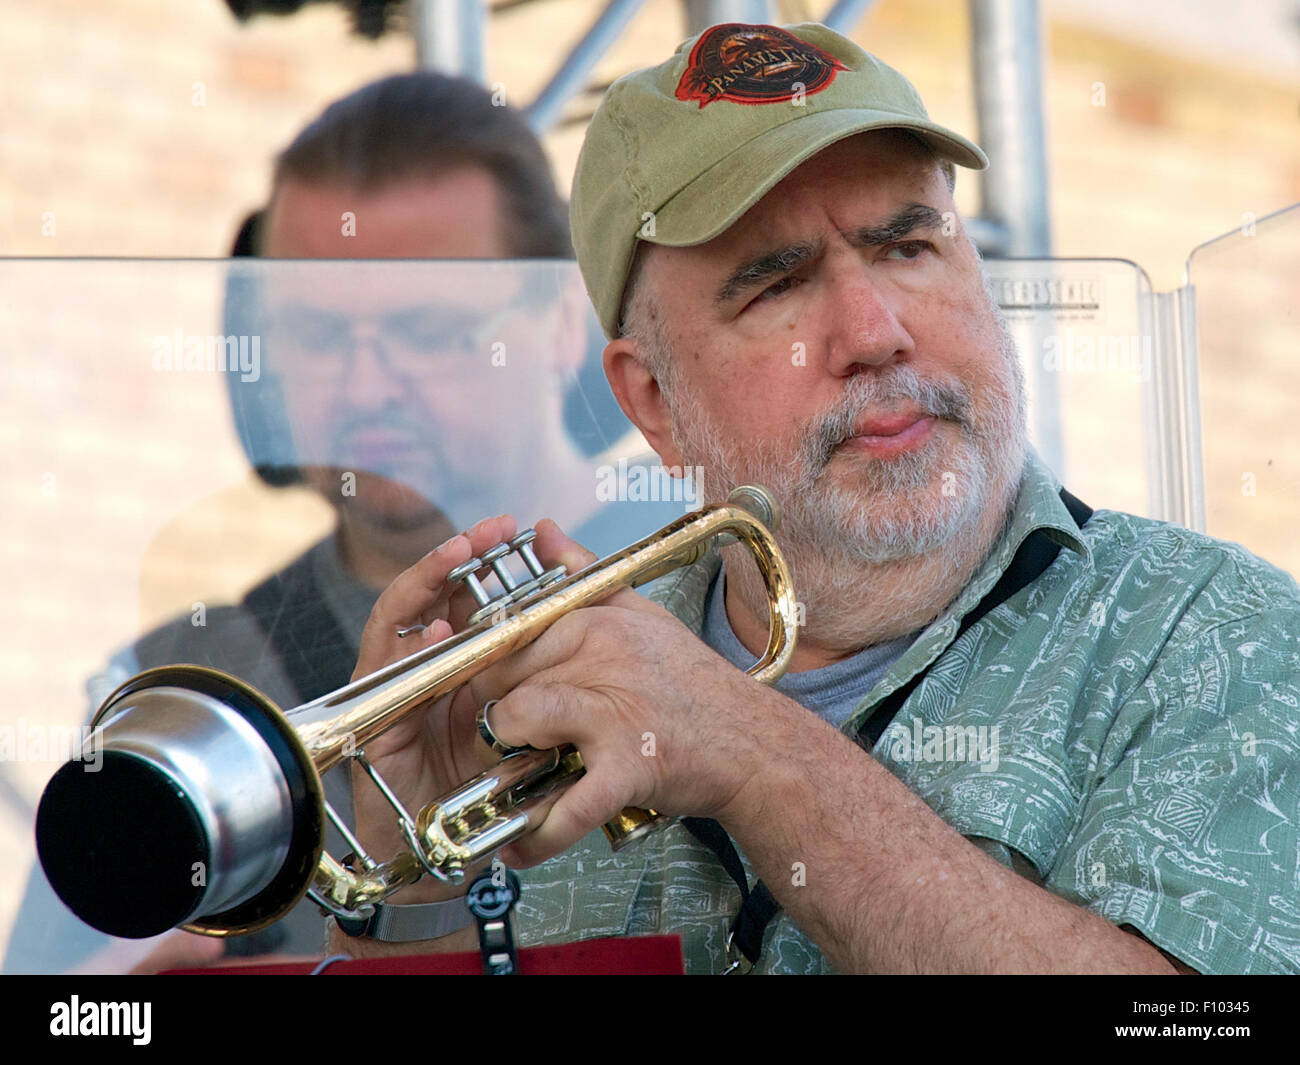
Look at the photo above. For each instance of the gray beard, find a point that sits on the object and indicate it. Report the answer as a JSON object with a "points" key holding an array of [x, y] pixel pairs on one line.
{"points": [[922, 510], [886, 510]]}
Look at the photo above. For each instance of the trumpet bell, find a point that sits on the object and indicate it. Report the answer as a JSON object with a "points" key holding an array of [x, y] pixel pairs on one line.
{"points": [[203, 807]]}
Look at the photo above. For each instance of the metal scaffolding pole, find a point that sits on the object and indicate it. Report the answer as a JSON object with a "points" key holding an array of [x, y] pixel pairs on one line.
{"points": [[701, 14], [1007, 69], [449, 36], [1006, 53], [572, 76], [845, 14]]}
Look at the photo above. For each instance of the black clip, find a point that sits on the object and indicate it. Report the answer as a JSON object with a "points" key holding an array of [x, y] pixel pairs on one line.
{"points": [[491, 897]]}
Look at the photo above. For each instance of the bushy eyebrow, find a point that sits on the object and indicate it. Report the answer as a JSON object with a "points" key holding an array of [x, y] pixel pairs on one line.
{"points": [[912, 217], [759, 270]]}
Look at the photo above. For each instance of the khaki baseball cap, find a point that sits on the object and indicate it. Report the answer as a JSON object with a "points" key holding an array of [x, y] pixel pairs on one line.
{"points": [[676, 153]]}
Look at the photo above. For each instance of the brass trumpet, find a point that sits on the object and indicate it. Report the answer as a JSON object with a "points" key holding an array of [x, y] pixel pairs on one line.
{"points": [[207, 809]]}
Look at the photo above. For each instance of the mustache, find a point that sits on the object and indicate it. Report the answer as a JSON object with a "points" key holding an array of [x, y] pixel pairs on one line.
{"points": [[878, 393]]}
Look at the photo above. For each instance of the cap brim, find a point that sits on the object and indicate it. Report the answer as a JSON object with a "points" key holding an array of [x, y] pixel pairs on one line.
{"points": [[717, 198]]}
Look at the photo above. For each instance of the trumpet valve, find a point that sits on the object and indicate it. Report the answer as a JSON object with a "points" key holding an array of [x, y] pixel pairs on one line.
{"points": [[494, 560]]}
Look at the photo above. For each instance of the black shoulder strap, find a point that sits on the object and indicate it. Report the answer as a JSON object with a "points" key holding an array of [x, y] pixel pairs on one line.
{"points": [[758, 907], [312, 649], [1034, 556]]}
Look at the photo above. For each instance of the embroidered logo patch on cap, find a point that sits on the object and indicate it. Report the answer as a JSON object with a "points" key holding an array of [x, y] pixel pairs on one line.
{"points": [[754, 65]]}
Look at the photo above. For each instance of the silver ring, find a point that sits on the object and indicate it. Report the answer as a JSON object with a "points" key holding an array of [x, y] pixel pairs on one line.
{"points": [[405, 631], [490, 737]]}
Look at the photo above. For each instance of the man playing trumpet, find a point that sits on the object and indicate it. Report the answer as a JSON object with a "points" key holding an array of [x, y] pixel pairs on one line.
{"points": [[765, 226]]}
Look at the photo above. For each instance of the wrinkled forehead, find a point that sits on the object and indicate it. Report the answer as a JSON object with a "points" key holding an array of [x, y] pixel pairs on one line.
{"points": [[862, 180], [869, 174]]}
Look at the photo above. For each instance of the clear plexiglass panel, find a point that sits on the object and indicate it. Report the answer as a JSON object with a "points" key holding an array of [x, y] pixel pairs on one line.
{"points": [[203, 456], [1246, 288], [175, 433], [1085, 338]]}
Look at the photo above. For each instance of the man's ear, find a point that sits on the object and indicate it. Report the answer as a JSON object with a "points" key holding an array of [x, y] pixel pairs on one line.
{"points": [[640, 398]]}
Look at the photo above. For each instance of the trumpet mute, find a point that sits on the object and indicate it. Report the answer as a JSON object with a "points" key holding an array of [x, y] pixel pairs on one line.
{"points": [[199, 809]]}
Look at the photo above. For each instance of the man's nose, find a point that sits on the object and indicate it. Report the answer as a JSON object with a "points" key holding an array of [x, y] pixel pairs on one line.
{"points": [[369, 380], [864, 330]]}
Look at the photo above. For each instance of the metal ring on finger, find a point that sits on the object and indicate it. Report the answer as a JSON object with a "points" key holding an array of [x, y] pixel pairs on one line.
{"points": [[490, 737]]}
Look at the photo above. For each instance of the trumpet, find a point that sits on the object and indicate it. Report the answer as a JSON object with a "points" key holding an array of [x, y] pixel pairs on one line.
{"points": [[207, 810]]}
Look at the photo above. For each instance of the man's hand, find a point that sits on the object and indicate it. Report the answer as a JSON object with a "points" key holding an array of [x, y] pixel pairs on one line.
{"points": [[662, 721], [437, 748], [626, 682]]}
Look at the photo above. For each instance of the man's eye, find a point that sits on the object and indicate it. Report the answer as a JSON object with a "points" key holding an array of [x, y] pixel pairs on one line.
{"points": [[909, 249], [779, 288], [319, 333], [419, 335], [431, 333]]}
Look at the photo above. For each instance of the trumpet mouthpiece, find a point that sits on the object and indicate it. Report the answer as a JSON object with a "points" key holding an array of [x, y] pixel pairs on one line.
{"points": [[758, 501]]}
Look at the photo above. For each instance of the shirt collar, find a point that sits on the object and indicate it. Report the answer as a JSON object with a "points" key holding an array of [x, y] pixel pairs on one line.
{"points": [[1038, 508]]}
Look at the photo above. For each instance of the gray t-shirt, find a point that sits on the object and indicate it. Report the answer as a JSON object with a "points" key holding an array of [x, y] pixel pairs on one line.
{"points": [[832, 692]]}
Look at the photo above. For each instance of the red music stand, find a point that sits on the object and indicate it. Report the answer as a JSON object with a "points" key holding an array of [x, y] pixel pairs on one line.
{"points": [[630, 956]]}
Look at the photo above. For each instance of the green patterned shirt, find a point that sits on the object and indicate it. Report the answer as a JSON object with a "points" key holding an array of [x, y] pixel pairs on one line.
{"points": [[1125, 732]]}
